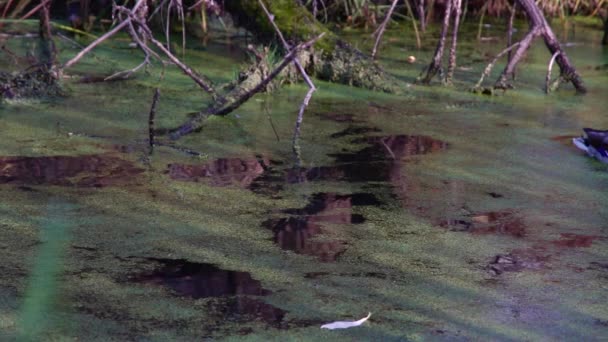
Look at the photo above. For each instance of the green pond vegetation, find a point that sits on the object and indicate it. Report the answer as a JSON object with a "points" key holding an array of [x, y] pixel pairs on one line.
{"points": [[447, 215]]}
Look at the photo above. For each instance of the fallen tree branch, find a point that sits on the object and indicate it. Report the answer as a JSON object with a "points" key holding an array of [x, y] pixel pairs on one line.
{"points": [[224, 109]]}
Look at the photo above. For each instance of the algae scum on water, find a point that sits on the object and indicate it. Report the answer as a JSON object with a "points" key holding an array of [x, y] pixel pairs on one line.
{"points": [[449, 216]]}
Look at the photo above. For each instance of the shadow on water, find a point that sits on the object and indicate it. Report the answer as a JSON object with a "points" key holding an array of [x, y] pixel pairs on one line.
{"points": [[377, 162], [297, 232], [81, 171], [380, 161], [199, 280], [220, 172], [493, 222], [230, 292]]}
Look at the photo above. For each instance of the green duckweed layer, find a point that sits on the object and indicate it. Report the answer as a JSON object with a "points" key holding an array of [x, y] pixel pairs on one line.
{"points": [[73, 252]]}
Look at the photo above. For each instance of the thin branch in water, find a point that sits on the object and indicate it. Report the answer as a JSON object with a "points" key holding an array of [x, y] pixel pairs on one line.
{"points": [[286, 45], [452, 57], [151, 117], [414, 24], [262, 85], [306, 100], [297, 130], [94, 44], [510, 31], [489, 67], [380, 31], [549, 68], [34, 10], [267, 111]]}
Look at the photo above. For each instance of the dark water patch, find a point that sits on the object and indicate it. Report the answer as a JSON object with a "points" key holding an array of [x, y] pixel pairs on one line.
{"points": [[495, 195], [393, 147], [377, 275], [296, 234], [315, 275], [200, 280], [600, 322], [84, 248], [220, 172], [598, 266], [81, 171], [570, 240], [493, 222], [97, 78], [354, 130], [329, 201], [339, 117], [535, 258], [381, 161]]}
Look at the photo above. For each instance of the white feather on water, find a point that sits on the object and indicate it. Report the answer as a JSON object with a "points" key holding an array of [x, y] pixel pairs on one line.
{"points": [[345, 324]]}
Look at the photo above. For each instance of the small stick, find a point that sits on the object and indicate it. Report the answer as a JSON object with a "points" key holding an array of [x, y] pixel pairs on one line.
{"points": [[151, 117], [549, 68]]}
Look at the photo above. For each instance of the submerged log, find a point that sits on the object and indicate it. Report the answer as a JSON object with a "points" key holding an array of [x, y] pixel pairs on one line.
{"points": [[332, 60]]}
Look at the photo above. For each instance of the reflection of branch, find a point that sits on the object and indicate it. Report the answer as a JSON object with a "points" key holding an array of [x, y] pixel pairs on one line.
{"points": [[311, 90]]}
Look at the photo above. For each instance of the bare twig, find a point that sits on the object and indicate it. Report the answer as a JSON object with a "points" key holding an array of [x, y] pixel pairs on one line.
{"points": [[151, 117], [414, 24], [488, 68], [549, 68], [35, 9], [380, 31], [94, 44], [286, 45], [101, 39], [200, 80], [146, 50], [286, 60], [311, 90]]}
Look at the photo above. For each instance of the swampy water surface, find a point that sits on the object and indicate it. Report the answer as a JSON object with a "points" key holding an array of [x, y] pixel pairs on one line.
{"points": [[447, 215]]}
